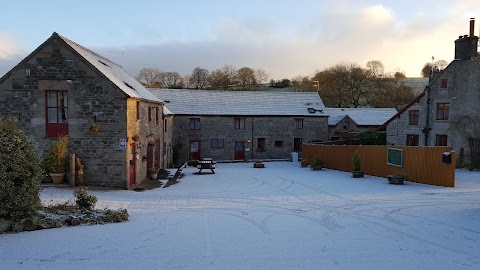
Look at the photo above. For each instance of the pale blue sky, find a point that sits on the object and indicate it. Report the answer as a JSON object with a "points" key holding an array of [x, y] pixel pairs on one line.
{"points": [[286, 38]]}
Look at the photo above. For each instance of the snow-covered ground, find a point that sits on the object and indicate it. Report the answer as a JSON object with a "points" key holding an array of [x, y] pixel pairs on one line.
{"points": [[280, 217]]}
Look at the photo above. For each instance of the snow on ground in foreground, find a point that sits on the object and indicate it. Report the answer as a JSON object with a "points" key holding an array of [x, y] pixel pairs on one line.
{"points": [[280, 217]]}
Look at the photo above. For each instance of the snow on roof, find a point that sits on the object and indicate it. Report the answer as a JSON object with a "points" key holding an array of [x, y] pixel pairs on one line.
{"points": [[217, 102], [361, 116], [166, 111], [114, 72]]}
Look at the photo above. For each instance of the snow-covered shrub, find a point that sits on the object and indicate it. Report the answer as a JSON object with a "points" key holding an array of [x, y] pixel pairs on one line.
{"points": [[84, 201], [20, 173]]}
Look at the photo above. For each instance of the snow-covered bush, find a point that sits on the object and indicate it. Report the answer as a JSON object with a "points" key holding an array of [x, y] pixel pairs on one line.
{"points": [[84, 201], [20, 173]]}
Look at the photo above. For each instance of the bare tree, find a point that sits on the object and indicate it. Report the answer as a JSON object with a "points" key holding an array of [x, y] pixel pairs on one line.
{"points": [[303, 84], [150, 77], [173, 80], [376, 68], [336, 86], [429, 67], [261, 76], [199, 78], [391, 91], [223, 77], [246, 76]]}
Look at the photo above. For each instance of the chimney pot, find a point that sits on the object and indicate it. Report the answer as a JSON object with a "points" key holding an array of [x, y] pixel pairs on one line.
{"points": [[472, 26]]}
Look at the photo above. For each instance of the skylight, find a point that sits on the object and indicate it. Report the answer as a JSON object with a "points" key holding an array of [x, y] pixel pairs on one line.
{"points": [[103, 63]]}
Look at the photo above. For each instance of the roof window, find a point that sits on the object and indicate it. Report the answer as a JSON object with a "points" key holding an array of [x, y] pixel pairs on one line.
{"points": [[103, 63]]}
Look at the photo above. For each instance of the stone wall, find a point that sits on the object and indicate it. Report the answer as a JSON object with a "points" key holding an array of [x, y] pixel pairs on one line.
{"points": [[398, 129], [275, 128], [92, 99], [462, 94]]}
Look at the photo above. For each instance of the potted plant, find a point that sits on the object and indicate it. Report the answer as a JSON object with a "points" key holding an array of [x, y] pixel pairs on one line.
{"points": [[304, 163], [136, 138], [56, 160], [154, 172], [397, 178], [258, 164], [317, 165], [356, 168]]}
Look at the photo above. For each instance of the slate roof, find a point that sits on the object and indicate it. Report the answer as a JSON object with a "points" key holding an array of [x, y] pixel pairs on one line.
{"points": [[361, 116], [114, 72], [217, 102], [166, 111]]}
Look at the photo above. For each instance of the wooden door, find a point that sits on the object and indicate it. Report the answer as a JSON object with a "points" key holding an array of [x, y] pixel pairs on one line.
{"points": [[239, 151], [194, 150]]}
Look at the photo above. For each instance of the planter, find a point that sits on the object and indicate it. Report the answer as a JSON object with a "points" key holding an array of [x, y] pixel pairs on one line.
{"points": [[57, 178], [358, 174], [317, 167], [94, 128], [304, 165], [396, 179], [153, 176], [258, 165]]}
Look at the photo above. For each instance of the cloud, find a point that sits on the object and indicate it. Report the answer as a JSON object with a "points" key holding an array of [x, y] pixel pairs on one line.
{"points": [[9, 48]]}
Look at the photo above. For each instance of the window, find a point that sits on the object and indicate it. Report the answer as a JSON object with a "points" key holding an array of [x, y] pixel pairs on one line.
{"points": [[149, 113], [297, 144], [261, 145], [441, 140], [278, 143], [442, 111], [217, 143], [413, 117], [444, 83], [239, 123], [165, 125], [298, 123], [57, 113], [138, 110], [194, 123], [412, 140], [157, 115]]}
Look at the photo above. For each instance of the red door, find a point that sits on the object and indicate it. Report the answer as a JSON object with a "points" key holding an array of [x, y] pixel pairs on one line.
{"points": [[239, 150], [149, 159], [194, 150], [133, 155]]}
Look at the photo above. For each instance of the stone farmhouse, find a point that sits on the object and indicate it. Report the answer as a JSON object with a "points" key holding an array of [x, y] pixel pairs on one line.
{"points": [[115, 126], [243, 125], [346, 123], [446, 113]]}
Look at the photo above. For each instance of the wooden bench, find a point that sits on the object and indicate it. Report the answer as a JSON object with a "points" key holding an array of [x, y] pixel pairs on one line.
{"points": [[206, 163], [174, 179]]}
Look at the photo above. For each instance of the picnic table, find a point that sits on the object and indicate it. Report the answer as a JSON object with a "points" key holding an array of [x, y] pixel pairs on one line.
{"points": [[206, 163]]}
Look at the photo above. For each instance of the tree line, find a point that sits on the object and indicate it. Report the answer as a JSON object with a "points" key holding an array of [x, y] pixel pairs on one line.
{"points": [[227, 77], [346, 84]]}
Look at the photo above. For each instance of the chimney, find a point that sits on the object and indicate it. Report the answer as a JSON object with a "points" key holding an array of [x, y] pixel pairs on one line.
{"points": [[466, 45], [472, 26]]}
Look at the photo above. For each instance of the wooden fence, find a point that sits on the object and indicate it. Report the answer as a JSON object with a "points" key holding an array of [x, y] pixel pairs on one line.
{"points": [[421, 164]]}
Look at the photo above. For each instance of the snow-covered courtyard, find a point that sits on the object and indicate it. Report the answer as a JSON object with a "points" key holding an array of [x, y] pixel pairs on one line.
{"points": [[280, 217]]}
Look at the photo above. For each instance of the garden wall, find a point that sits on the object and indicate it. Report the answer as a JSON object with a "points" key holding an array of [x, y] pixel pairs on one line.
{"points": [[422, 164]]}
